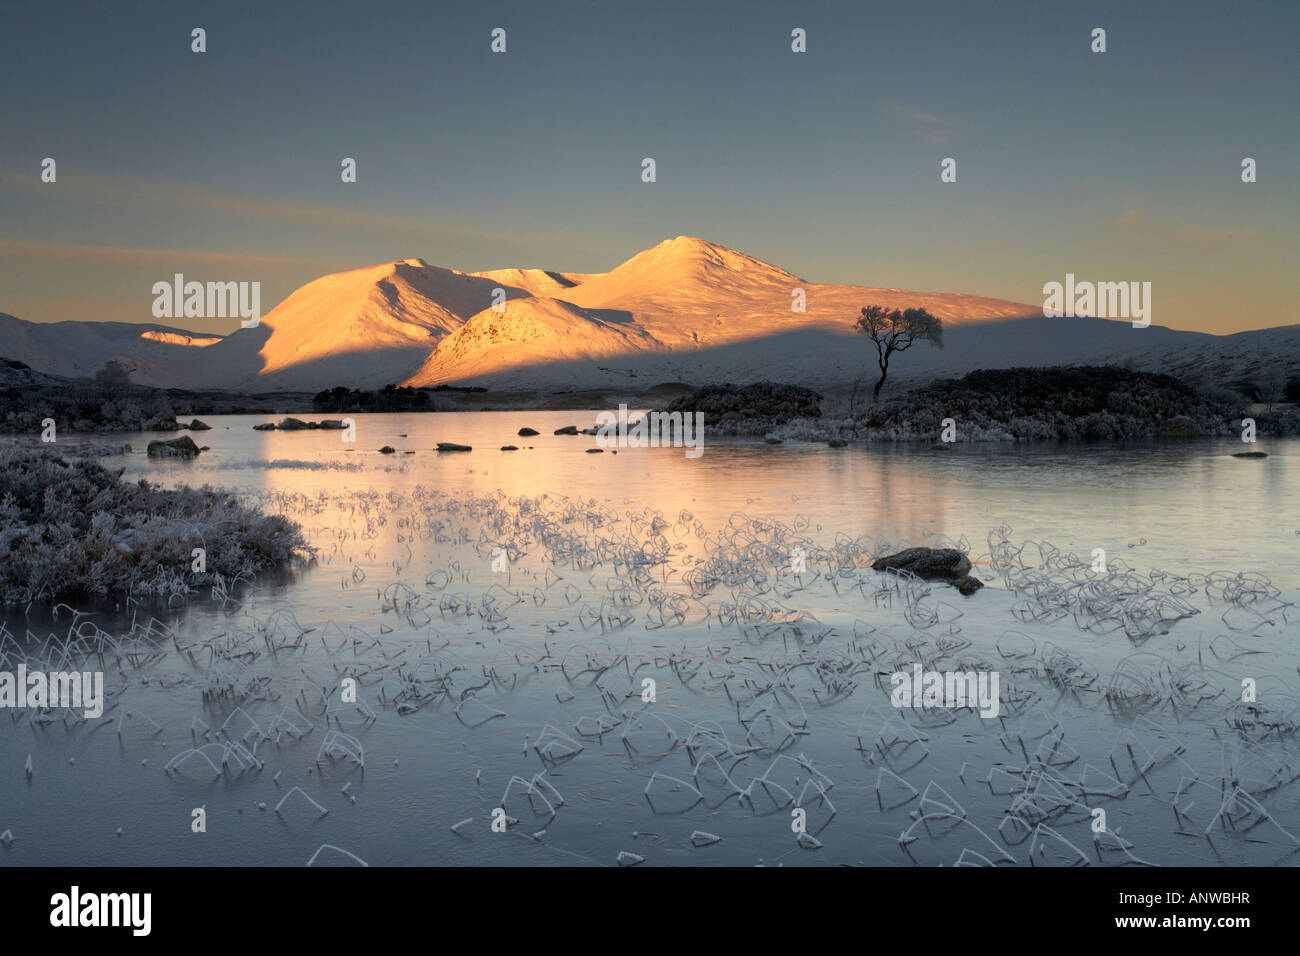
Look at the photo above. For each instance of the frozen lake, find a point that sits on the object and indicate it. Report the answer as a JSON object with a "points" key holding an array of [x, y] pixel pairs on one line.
{"points": [[502, 611]]}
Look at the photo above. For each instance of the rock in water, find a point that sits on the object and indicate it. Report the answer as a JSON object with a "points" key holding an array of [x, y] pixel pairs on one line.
{"points": [[528, 431], [837, 443], [386, 450], [567, 430], [1251, 454], [264, 427], [292, 425], [174, 448], [198, 426], [969, 584], [334, 424], [452, 446], [509, 447], [947, 564]]}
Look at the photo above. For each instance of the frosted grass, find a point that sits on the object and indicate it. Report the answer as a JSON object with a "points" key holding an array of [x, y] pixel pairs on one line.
{"points": [[773, 688]]}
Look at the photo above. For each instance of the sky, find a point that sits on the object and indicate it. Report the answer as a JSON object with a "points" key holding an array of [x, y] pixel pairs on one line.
{"points": [[225, 165]]}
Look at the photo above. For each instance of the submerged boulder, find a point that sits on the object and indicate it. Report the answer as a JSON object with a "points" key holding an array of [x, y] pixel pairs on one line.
{"points": [[567, 430], [525, 432], [183, 447], [452, 446]]}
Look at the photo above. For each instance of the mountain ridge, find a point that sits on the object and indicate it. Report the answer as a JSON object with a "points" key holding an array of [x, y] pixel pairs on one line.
{"points": [[685, 309]]}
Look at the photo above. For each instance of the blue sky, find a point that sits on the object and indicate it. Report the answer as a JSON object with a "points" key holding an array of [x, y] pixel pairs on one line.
{"points": [[225, 165]]}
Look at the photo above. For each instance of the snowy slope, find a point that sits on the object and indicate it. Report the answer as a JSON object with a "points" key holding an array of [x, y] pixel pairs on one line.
{"points": [[690, 293], [79, 349], [182, 338], [365, 328], [532, 281], [535, 334]]}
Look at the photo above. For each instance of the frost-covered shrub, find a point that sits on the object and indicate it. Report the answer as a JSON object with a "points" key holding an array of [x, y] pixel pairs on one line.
{"points": [[1034, 404], [71, 527], [1224, 396], [750, 409], [84, 407], [1278, 421]]}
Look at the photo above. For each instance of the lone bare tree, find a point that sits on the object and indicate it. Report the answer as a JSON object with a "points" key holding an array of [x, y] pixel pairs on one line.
{"points": [[895, 331], [1272, 386]]}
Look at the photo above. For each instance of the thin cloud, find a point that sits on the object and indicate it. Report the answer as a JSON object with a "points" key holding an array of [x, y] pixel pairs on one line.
{"points": [[931, 127], [1134, 224], [129, 255], [100, 187]]}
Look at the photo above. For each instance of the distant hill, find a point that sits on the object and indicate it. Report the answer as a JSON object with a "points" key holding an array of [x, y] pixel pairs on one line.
{"points": [[157, 353]]}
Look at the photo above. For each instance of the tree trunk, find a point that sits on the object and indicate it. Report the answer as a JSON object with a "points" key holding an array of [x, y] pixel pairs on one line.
{"points": [[882, 363]]}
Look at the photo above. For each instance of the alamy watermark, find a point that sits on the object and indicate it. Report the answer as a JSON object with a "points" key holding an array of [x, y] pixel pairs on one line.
{"points": [[75, 909], [38, 690], [215, 300], [652, 430], [1102, 300], [952, 689]]}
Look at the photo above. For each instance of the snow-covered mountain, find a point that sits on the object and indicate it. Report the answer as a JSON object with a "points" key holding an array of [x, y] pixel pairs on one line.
{"points": [[365, 328], [157, 353], [692, 293], [685, 310]]}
